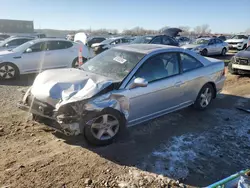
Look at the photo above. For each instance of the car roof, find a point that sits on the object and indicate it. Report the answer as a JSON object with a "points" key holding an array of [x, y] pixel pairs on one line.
{"points": [[144, 48], [50, 39]]}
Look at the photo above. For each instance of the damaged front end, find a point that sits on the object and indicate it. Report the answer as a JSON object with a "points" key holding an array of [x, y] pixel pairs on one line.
{"points": [[67, 101]]}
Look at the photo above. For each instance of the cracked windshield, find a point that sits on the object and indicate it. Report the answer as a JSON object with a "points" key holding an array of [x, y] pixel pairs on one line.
{"points": [[125, 94]]}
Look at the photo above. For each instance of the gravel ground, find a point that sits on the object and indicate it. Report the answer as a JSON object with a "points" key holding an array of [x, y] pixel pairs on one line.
{"points": [[194, 148]]}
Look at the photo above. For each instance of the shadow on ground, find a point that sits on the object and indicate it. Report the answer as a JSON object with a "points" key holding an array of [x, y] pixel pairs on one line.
{"points": [[198, 148], [23, 80]]}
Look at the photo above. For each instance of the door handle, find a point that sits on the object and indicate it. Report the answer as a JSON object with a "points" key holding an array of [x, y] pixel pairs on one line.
{"points": [[178, 84], [17, 57]]}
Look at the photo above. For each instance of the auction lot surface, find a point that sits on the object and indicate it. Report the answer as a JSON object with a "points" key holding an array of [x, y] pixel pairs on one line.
{"points": [[198, 148]]}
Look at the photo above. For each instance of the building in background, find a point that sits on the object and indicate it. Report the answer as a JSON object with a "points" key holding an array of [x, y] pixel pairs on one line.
{"points": [[16, 26]]}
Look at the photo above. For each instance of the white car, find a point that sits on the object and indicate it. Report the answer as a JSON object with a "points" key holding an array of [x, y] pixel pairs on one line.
{"points": [[40, 54], [13, 42], [238, 42]]}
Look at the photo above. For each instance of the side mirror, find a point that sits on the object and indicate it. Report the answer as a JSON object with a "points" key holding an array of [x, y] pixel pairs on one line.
{"points": [[139, 82], [28, 50]]}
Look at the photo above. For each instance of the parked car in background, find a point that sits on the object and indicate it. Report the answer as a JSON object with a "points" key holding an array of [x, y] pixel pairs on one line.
{"points": [[122, 87], [222, 37], [208, 46], [109, 43], [183, 40], [38, 55], [93, 40], [13, 42], [156, 39], [240, 63], [238, 42], [3, 36]]}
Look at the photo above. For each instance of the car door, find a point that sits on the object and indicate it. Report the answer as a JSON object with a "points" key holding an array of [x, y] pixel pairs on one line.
{"points": [[191, 77], [163, 92], [59, 54], [211, 48], [219, 46], [33, 58]]}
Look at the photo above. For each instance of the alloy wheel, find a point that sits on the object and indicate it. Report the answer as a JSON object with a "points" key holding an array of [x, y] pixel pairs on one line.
{"points": [[105, 127], [206, 97], [7, 72]]}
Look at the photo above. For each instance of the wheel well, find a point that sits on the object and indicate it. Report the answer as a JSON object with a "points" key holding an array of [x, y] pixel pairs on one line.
{"points": [[214, 87], [12, 65]]}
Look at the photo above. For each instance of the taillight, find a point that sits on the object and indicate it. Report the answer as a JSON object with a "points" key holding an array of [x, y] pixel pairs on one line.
{"points": [[224, 71]]}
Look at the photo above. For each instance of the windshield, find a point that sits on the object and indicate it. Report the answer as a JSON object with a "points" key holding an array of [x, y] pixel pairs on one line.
{"points": [[113, 63], [239, 37], [201, 41], [23, 47], [142, 39]]}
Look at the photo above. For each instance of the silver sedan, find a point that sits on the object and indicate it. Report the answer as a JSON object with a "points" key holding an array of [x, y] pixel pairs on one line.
{"points": [[121, 87], [208, 46]]}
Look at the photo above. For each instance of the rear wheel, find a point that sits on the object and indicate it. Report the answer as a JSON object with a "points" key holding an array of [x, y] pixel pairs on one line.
{"points": [[75, 63], [204, 52], [8, 71], [204, 97], [224, 51]]}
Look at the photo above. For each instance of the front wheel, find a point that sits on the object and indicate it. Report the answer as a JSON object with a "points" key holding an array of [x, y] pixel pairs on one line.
{"points": [[101, 128], [204, 52], [204, 97], [8, 71], [224, 51], [231, 70]]}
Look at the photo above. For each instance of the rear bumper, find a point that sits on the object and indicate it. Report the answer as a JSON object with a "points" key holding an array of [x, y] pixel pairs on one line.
{"points": [[220, 84]]}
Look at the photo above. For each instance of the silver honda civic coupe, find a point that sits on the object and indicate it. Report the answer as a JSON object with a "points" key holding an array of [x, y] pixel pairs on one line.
{"points": [[121, 87]]}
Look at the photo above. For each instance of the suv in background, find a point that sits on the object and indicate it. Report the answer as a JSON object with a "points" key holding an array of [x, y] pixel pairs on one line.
{"points": [[13, 42], [238, 42], [156, 39]]}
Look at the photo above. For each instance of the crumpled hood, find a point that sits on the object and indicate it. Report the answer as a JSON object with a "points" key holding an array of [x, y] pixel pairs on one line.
{"points": [[67, 85], [235, 40], [192, 46], [244, 54]]}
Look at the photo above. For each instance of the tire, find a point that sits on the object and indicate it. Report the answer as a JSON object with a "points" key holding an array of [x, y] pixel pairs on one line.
{"points": [[204, 97], [8, 71], [231, 70], [224, 51], [244, 47], [75, 62], [100, 134], [204, 52]]}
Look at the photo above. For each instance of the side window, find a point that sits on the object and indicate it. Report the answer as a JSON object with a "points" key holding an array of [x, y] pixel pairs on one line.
{"points": [[159, 66], [64, 44], [156, 40], [189, 63], [38, 47], [13, 42], [166, 40], [22, 41], [218, 41], [211, 42]]}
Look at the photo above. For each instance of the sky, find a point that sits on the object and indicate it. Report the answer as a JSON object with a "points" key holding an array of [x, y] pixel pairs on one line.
{"points": [[223, 16]]}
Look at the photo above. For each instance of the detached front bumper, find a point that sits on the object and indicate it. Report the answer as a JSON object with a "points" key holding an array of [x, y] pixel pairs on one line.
{"points": [[67, 124]]}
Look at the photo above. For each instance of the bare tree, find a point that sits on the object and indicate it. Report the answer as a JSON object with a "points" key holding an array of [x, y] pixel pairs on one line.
{"points": [[185, 30], [202, 29], [248, 31]]}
